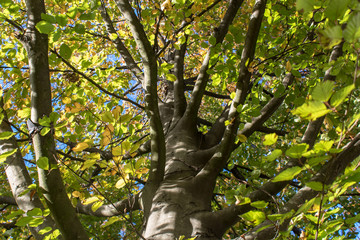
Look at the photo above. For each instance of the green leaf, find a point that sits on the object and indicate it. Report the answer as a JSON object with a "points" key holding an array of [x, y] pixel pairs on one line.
{"points": [[255, 217], [212, 40], [259, 204], [61, 19], [87, 16], [316, 160], [270, 139], [107, 117], [6, 135], [43, 163], [323, 91], [79, 28], [34, 212], [6, 154], [335, 9], [296, 151], [125, 118], [274, 155], [45, 230], [96, 205], [352, 30], [287, 174], [317, 186], [307, 5], [334, 33], [110, 221], [23, 221], [171, 77], [24, 113], [340, 95], [323, 146], [65, 51], [45, 131], [311, 110], [48, 18], [45, 27], [14, 214], [36, 222]]}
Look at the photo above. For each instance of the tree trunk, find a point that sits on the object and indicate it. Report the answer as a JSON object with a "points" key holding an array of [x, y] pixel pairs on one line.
{"points": [[182, 205]]}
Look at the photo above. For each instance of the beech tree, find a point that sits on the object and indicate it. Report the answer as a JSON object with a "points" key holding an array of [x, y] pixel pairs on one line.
{"points": [[179, 119]]}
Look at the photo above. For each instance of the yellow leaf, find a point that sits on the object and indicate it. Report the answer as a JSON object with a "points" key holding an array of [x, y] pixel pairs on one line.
{"points": [[66, 100], [119, 184], [242, 138], [116, 112], [106, 137], [96, 206], [76, 194], [80, 146], [91, 200], [117, 151], [288, 66], [24, 113], [77, 108]]}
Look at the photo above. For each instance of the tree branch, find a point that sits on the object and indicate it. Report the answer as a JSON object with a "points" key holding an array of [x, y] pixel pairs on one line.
{"points": [[120, 46], [113, 209], [218, 161], [179, 97], [158, 150], [19, 179], [50, 180], [203, 77], [7, 200]]}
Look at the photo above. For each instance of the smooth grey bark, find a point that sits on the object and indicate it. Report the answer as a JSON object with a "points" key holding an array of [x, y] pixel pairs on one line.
{"points": [[19, 180], [50, 180], [157, 142]]}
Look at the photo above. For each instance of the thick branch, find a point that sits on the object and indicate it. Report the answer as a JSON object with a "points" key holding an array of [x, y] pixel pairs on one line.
{"points": [[203, 77], [19, 180], [50, 180], [179, 97], [218, 161], [158, 150], [7, 200], [120, 46], [113, 209]]}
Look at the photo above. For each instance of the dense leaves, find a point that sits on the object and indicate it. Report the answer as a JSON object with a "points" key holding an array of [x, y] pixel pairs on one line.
{"points": [[103, 114]]}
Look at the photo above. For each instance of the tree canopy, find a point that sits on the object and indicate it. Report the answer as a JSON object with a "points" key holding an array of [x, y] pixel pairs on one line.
{"points": [[179, 119]]}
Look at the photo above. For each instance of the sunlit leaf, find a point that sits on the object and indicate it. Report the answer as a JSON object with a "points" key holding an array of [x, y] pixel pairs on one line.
{"points": [[317, 186], [270, 139], [297, 150], [7, 154], [43, 163], [110, 221], [311, 110], [45, 27], [340, 95], [96, 205], [255, 217], [274, 155], [6, 135], [120, 183], [287, 174], [80, 146], [24, 113], [323, 91]]}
